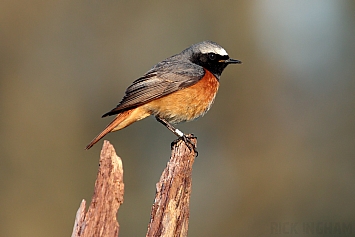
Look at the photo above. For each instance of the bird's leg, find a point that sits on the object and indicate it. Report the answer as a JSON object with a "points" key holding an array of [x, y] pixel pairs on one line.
{"points": [[174, 130], [178, 133]]}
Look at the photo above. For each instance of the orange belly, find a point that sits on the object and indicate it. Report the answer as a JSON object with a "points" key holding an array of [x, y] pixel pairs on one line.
{"points": [[186, 104]]}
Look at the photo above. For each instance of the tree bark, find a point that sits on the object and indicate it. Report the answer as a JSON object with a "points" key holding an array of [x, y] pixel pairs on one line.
{"points": [[170, 212], [100, 219]]}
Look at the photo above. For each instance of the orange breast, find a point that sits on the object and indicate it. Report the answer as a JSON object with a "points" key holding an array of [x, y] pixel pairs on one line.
{"points": [[186, 104]]}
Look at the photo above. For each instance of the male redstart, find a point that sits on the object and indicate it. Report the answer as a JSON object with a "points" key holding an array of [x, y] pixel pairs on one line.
{"points": [[180, 88]]}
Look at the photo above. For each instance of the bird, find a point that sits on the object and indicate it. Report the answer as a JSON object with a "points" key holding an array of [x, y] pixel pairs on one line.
{"points": [[178, 89]]}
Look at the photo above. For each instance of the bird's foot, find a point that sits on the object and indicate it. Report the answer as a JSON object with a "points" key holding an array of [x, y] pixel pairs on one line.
{"points": [[188, 142]]}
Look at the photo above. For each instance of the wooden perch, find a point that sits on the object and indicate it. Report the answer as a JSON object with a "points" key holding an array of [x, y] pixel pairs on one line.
{"points": [[170, 212], [100, 219]]}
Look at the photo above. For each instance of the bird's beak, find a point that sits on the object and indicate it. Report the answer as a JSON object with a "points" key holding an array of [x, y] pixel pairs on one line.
{"points": [[232, 61]]}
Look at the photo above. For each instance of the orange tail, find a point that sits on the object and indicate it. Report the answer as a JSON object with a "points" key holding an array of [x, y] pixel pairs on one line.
{"points": [[119, 119]]}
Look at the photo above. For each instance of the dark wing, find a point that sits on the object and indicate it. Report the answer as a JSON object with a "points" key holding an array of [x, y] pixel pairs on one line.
{"points": [[164, 78]]}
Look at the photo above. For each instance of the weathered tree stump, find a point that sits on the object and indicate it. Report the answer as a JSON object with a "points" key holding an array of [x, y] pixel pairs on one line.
{"points": [[170, 211], [100, 219]]}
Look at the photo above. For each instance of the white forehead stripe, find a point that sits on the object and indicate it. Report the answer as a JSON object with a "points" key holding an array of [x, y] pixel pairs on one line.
{"points": [[213, 49]]}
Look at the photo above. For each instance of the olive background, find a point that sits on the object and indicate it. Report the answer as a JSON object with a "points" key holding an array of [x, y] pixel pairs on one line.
{"points": [[277, 146]]}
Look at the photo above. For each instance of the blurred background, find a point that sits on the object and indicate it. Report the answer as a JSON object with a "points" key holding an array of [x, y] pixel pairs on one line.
{"points": [[278, 145]]}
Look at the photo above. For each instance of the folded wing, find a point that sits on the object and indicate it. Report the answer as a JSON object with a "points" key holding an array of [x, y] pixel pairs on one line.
{"points": [[163, 79]]}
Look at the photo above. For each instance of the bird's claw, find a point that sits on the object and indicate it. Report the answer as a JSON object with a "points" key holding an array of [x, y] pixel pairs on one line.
{"points": [[188, 142]]}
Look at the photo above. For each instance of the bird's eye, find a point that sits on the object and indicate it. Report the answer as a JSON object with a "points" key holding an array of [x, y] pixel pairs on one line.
{"points": [[212, 56]]}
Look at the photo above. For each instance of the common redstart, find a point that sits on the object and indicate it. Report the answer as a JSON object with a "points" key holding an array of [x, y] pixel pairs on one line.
{"points": [[178, 89]]}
